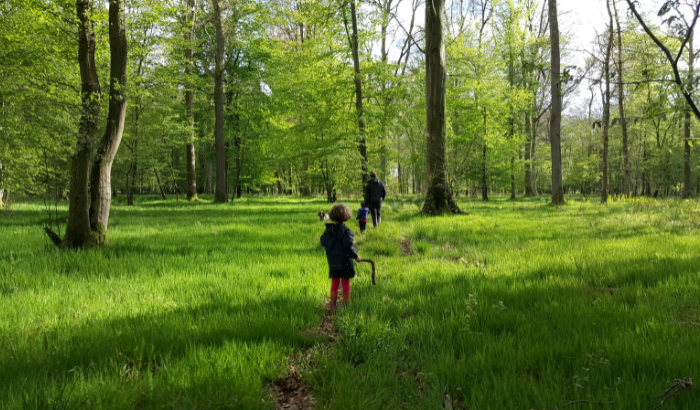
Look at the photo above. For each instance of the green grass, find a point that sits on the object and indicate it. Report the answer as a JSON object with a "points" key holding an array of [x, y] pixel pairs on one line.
{"points": [[518, 305]]}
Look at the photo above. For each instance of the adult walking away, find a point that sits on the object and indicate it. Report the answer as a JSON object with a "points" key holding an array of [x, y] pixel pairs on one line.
{"points": [[374, 196]]}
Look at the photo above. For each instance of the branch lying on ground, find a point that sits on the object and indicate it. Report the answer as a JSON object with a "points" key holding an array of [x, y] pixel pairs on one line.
{"points": [[678, 386]]}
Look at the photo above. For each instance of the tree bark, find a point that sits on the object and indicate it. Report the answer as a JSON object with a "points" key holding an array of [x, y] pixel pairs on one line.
{"points": [[100, 179], [621, 107], [438, 198], [687, 172], [219, 142], [358, 94], [210, 185], [555, 116], [484, 179], [606, 109], [189, 100], [529, 192], [78, 233]]}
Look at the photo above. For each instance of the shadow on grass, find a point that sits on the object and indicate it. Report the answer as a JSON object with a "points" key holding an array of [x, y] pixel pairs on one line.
{"points": [[148, 340]]}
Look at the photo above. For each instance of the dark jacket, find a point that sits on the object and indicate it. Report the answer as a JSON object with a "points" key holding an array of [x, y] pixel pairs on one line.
{"points": [[340, 250], [374, 191]]}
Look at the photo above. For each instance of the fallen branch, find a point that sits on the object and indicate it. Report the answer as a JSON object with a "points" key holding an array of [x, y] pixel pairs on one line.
{"points": [[678, 386]]}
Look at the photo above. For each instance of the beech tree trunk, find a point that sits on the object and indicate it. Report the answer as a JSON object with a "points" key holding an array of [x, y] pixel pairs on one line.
{"points": [[219, 142], [621, 107], [100, 179], [606, 110], [78, 233], [87, 225], [484, 179], [555, 116], [438, 198], [210, 185], [529, 191], [687, 174], [358, 94], [189, 101]]}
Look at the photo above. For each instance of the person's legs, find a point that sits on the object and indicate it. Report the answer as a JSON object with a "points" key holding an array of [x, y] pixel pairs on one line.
{"points": [[373, 211], [363, 226], [346, 290], [376, 210], [335, 282]]}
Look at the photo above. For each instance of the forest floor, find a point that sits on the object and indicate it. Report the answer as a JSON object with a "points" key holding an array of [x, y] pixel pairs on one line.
{"points": [[518, 305]]}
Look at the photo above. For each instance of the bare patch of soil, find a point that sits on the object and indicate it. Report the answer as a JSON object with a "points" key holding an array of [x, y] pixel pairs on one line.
{"points": [[291, 392], [406, 247]]}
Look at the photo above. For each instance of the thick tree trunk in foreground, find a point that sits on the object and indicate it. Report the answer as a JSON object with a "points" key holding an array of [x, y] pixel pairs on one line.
{"points": [[555, 116], [358, 94], [101, 172], [78, 233], [606, 110], [438, 198], [626, 190], [219, 142], [687, 183]]}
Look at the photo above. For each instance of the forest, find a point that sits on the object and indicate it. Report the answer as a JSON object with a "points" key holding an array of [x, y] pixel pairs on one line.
{"points": [[163, 164], [311, 95]]}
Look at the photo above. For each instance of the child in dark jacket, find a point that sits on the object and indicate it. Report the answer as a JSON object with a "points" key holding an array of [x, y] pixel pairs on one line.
{"points": [[362, 216], [340, 252]]}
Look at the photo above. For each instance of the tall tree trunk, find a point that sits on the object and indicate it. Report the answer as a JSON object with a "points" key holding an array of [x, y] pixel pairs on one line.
{"points": [[189, 100], [219, 142], [134, 170], [484, 178], [210, 185], [100, 179], [555, 116], [438, 198], [621, 107], [606, 109], [358, 94], [78, 233], [529, 192], [687, 173], [279, 182], [239, 167]]}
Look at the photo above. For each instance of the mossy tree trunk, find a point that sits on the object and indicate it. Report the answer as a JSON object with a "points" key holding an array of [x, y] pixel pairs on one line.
{"points": [[438, 198], [88, 213], [101, 172]]}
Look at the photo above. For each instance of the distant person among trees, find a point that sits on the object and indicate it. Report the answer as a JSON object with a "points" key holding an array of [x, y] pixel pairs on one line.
{"points": [[374, 196], [338, 240], [362, 214]]}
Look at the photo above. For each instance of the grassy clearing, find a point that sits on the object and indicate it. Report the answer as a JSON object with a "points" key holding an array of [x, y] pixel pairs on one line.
{"points": [[517, 305]]}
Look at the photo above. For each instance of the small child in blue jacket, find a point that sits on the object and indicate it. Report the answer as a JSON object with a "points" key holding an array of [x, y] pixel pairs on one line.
{"points": [[362, 216]]}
